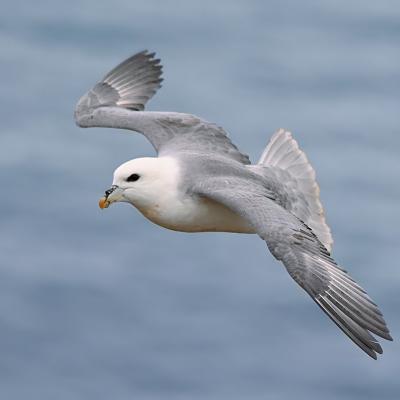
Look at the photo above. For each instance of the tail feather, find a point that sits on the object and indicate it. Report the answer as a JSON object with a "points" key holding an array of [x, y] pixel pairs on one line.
{"points": [[283, 154]]}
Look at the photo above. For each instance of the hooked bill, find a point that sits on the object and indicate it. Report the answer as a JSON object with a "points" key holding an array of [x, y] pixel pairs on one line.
{"points": [[103, 202]]}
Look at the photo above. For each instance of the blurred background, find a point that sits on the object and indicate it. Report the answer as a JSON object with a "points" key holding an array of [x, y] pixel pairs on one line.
{"points": [[105, 305]]}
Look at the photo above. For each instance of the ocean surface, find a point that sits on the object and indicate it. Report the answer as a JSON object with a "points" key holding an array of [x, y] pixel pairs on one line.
{"points": [[104, 304]]}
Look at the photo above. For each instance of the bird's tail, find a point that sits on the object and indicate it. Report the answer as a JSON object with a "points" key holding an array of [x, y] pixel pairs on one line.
{"points": [[283, 153]]}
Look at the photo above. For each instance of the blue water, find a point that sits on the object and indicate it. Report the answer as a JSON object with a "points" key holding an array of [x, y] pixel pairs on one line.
{"points": [[106, 305]]}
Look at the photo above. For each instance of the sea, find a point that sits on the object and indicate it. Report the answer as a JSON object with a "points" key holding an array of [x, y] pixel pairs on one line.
{"points": [[106, 305]]}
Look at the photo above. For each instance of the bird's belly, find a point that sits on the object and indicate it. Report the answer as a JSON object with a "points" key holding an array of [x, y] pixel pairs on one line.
{"points": [[196, 215]]}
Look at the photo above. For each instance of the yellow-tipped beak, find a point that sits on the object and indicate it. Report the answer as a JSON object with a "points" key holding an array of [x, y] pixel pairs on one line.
{"points": [[111, 196], [103, 203]]}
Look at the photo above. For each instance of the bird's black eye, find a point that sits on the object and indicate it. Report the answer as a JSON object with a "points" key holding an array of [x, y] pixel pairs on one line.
{"points": [[132, 178]]}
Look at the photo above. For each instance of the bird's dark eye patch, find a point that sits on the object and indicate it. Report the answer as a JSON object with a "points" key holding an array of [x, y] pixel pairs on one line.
{"points": [[132, 178]]}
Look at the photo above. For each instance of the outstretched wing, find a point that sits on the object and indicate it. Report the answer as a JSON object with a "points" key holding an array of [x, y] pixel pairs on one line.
{"points": [[118, 101], [130, 84], [305, 258]]}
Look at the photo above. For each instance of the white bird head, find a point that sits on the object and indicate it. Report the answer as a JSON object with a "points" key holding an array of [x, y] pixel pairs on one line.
{"points": [[141, 182]]}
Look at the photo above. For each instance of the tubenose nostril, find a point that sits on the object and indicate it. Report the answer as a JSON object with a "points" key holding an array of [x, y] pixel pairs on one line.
{"points": [[109, 191]]}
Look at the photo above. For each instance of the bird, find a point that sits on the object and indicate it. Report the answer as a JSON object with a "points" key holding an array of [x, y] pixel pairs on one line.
{"points": [[201, 182]]}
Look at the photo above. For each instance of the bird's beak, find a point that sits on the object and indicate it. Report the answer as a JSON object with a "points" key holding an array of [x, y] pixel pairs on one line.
{"points": [[110, 196]]}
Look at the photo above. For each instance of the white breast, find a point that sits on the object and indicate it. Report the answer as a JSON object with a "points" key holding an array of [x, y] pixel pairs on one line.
{"points": [[158, 197], [195, 215]]}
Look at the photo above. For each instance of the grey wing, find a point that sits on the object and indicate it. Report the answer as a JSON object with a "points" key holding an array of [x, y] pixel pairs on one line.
{"points": [[306, 260], [130, 84], [118, 101]]}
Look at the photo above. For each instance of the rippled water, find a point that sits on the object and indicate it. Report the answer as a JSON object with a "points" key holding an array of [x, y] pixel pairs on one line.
{"points": [[101, 305]]}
